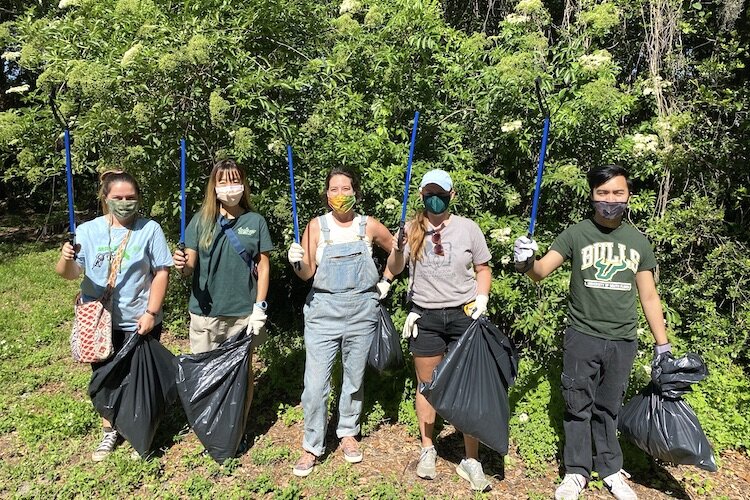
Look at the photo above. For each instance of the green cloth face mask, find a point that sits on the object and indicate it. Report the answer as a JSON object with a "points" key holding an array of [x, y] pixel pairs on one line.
{"points": [[123, 209], [437, 204]]}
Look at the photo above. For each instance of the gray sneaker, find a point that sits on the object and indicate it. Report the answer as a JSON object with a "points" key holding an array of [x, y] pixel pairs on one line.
{"points": [[426, 465], [471, 470], [572, 485], [107, 446], [618, 487]]}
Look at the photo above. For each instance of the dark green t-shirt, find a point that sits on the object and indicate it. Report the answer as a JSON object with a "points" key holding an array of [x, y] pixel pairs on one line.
{"points": [[222, 282], [603, 290]]}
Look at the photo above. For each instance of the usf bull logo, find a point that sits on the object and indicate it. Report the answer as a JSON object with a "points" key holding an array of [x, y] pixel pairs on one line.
{"points": [[608, 261]]}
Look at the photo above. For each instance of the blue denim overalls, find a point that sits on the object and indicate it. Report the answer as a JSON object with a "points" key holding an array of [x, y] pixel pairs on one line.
{"points": [[340, 311]]}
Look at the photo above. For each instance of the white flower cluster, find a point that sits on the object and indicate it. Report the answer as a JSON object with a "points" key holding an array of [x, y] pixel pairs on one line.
{"points": [[20, 89], [64, 4], [516, 18], [512, 199], [11, 56], [656, 82], [349, 6], [130, 54], [277, 147], [529, 6], [391, 204], [505, 260], [500, 235], [592, 62], [511, 126], [645, 143]]}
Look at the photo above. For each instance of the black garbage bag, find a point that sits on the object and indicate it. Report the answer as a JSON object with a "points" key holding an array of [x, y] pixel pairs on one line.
{"points": [[672, 377], [469, 387], [213, 389], [666, 429], [385, 350], [134, 389]]}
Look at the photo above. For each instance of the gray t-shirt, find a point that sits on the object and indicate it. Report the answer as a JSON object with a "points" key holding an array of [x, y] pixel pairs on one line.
{"points": [[448, 280]]}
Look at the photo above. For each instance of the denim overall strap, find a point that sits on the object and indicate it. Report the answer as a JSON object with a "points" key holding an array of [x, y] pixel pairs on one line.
{"points": [[362, 227], [325, 230]]}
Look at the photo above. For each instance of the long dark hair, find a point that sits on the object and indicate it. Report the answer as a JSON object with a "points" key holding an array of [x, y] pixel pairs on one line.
{"points": [[209, 211]]}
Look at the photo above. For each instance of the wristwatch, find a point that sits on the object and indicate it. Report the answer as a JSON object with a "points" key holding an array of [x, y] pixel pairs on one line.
{"points": [[262, 305]]}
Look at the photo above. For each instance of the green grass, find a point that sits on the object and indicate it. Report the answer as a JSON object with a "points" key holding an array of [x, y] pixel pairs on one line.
{"points": [[48, 426]]}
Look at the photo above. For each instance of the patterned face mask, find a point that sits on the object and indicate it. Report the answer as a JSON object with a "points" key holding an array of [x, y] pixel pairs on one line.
{"points": [[610, 210], [230, 195], [123, 209], [342, 203]]}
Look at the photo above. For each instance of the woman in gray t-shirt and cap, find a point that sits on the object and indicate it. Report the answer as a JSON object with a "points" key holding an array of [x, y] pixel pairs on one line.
{"points": [[449, 284]]}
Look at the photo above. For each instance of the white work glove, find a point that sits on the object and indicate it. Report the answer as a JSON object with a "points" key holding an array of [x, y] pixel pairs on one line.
{"points": [[410, 326], [480, 306], [523, 253], [383, 288], [257, 320], [296, 253]]}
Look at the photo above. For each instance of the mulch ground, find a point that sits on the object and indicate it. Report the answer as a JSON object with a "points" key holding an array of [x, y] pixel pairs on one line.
{"points": [[390, 453]]}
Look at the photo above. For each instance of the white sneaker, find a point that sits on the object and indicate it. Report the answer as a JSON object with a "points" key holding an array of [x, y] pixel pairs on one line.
{"points": [[471, 470], [426, 465], [618, 487], [572, 485], [107, 446]]}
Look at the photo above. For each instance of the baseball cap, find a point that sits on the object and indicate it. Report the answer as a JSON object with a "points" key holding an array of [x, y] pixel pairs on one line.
{"points": [[439, 177]]}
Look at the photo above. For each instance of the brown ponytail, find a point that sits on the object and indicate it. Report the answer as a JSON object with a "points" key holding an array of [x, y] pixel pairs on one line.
{"points": [[415, 235]]}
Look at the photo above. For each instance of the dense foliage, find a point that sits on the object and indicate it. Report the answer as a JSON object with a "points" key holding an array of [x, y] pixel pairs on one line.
{"points": [[659, 86]]}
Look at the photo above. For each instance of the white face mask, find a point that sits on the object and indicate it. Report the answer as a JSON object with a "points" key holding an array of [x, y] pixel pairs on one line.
{"points": [[230, 195]]}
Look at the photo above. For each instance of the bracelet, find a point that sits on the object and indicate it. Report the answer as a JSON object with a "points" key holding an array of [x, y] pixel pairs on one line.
{"points": [[151, 313]]}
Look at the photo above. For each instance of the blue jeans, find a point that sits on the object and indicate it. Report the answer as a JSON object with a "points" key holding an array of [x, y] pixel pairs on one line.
{"points": [[340, 313]]}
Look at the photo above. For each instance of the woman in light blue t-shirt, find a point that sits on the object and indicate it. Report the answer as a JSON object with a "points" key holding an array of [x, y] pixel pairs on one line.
{"points": [[141, 281]]}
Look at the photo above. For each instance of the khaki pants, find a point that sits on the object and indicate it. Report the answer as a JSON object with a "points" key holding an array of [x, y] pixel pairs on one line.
{"points": [[207, 333]]}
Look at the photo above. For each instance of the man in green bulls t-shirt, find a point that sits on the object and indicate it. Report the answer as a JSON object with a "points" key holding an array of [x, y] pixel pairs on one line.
{"points": [[610, 261]]}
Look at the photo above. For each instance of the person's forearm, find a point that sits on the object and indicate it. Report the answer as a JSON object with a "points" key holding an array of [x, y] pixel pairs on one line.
{"points": [[484, 281], [68, 269], [264, 277], [396, 263], [158, 290], [655, 317]]}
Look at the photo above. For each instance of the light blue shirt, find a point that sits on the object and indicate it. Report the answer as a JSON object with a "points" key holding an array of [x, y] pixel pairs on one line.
{"points": [[145, 253]]}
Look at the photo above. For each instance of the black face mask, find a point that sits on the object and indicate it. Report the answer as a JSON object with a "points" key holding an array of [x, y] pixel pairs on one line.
{"points": [[610, 210]]}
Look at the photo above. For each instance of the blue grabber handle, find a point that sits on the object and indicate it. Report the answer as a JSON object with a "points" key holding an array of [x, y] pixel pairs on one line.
{"points": [[295, 220], [183, 180], [542, 154], [69, 181], [402, 222]]}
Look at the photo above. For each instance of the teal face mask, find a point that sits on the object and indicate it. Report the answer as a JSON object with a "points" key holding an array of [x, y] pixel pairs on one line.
{"points": [[437, 204], [123, 209]]}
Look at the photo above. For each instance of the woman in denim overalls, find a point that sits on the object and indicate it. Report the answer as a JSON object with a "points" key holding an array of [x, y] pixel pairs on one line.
{"points": [[340, 312]]}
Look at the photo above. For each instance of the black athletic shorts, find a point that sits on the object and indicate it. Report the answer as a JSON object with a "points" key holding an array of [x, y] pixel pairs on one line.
{"points": [[438, 330]]}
